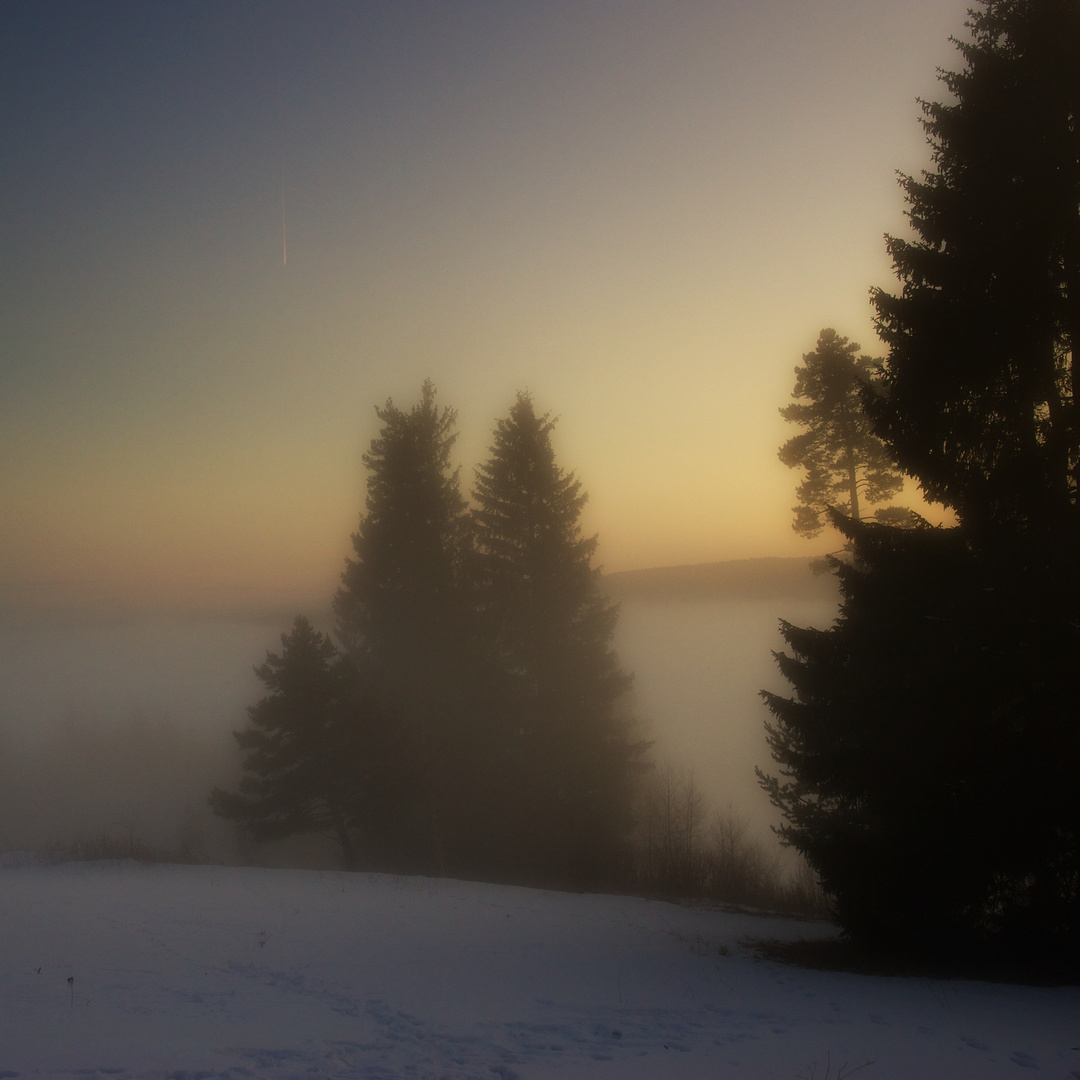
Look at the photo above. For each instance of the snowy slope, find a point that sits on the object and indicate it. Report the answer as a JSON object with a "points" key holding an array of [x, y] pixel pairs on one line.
{"points": [[129, 970]]}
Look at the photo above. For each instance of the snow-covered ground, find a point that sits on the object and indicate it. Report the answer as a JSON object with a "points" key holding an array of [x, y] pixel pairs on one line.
{"points": [[125, 970]]}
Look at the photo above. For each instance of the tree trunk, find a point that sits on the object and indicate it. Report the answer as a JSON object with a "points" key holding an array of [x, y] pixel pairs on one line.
{"points": [[344, 837], [853, 487]]}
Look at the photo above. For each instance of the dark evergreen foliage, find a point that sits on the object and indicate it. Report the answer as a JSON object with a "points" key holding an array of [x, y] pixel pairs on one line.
{"points": [[303, 746], [929, 755], [545, 622], [405, 618], [846, 463], [980, 389], [402, 590], [927, 758]]}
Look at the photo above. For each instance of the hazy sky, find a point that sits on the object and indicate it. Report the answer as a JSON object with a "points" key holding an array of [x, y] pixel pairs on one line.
{"points": [[643, 211]]}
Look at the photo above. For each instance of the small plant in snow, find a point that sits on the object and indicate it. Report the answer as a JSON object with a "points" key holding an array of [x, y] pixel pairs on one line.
{"points": [[842, 1072]]}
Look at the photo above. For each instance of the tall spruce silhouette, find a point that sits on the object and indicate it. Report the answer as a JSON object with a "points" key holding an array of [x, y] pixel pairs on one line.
{"points": [[980, 396], [546, 622], [929, 755], [301, 748], [404, 617]]}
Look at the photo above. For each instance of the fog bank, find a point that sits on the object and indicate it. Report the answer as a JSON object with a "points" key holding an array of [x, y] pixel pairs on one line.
{"points": [[120, 727]]}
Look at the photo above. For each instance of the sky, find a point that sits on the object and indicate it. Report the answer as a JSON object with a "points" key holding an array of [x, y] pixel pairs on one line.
{"points": [[229, 230]]}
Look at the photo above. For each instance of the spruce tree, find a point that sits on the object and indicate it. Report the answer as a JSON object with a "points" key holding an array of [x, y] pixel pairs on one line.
{"points": [[404, 617], [568, 748], [846, 463], [925, 758], [980, 398], [929, 755], [981, 403], [402, 590], [302, 747]]}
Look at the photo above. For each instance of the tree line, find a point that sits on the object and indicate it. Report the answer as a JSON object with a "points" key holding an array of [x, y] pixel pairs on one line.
{"points": [[928, 757], [471, 716]]}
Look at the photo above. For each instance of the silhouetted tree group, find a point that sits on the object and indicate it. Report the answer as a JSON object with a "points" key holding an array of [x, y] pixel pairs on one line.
{"points": [[929, 757], [473, 720]]}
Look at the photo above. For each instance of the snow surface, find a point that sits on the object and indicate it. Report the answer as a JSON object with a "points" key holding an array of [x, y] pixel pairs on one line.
{"points": [[125, 970]]}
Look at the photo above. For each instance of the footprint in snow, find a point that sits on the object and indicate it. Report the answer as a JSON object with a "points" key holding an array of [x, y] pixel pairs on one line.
{"points": [[1025, 1060]]}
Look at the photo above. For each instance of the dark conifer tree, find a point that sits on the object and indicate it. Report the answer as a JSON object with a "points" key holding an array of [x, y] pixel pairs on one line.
{"points": [[569, 751], [402, 590], [928, 758], [405, 619], [302, 747], [981, 388]]}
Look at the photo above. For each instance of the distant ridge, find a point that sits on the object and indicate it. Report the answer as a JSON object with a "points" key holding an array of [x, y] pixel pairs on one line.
{"points": [[27, 603], [735, 579]]}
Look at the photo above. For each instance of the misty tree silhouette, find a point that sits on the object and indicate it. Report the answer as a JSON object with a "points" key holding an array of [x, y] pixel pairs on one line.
{"points": [[300, 748], [571, 753]]}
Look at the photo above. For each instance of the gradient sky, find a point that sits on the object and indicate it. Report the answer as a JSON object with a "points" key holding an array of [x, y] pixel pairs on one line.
{"points": [[641, 211]]}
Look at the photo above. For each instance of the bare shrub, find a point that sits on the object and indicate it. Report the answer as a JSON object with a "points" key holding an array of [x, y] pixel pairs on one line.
{"points": [[671, 841], [681, 853], [740, 869]]}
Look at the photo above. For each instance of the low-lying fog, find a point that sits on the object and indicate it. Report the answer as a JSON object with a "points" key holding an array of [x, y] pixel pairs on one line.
{"points": [[118, 729]]}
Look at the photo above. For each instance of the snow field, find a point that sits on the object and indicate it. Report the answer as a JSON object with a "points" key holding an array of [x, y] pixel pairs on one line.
{"points": [[128, 970]]}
